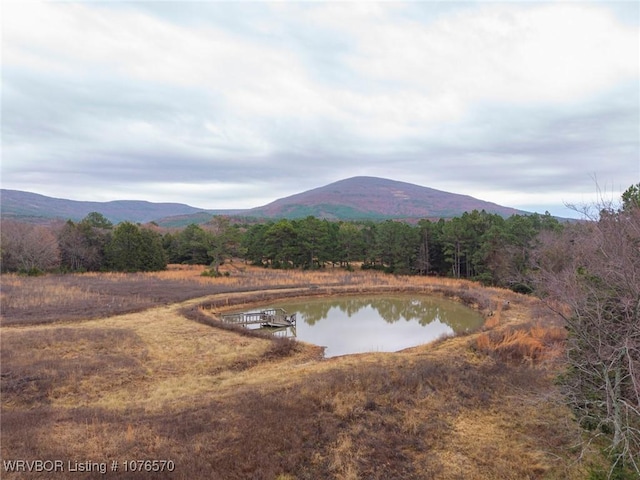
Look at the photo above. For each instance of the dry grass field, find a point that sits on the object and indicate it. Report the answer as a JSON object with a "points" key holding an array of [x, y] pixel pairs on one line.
{"points": [[114, 367]]}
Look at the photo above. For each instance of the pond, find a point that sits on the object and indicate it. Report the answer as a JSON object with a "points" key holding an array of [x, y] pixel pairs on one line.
{"points": [[358, 324]]}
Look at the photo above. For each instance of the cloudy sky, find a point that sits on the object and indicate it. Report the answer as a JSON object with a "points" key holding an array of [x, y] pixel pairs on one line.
{"points": [[235, 104]]}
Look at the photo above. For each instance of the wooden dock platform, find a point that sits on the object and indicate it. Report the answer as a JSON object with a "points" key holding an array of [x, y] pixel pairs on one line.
{"points": [[276, 317]]}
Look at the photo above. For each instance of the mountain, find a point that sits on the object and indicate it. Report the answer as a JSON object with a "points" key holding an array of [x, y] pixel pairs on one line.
{"points": [[375, 198], [356, 198], [34, 207]]}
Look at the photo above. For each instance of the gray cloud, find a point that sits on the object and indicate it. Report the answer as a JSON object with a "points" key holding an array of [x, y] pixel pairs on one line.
{"points": [[225, 105]]}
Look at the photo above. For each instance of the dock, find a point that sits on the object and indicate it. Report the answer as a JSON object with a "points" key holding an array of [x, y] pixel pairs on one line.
{"points": [[273, 318]]}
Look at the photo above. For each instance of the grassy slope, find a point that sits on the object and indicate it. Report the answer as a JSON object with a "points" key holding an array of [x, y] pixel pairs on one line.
{"points": [[155, 384]]}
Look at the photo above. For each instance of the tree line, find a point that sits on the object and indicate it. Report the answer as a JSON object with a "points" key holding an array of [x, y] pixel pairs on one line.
{"points": [[93, 244], [477, 245]]}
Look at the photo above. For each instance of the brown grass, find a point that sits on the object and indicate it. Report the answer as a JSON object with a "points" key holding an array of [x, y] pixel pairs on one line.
{"points": [[78, 297], [523, 343], [161, 383]]}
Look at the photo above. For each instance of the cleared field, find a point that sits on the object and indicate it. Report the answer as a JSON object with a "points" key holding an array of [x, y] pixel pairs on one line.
{"points": [[153, 380]]}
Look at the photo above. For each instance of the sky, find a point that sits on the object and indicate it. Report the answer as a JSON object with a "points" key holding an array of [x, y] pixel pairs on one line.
{"points": [[223, 105]]}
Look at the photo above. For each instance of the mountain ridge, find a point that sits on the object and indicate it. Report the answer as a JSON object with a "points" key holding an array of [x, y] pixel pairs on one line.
{"points": [[355, 198], [375, 196], [19, 204]]}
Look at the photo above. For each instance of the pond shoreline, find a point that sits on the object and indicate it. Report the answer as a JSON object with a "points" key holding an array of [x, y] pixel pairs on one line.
{"points": [[80, 379], [374, 322]]}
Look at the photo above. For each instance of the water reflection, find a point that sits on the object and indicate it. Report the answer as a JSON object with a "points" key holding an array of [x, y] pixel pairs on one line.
{"points": [[424, 310], [377, 323]]}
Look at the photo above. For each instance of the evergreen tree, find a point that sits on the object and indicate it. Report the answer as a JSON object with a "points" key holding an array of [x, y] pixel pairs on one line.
{"points": [[97, 220], [253, 244], [281, 247], [396, 246], [124, 251], [153, 257], [313, 242], [191, 246], [224, 241], [631, 198], [349, 243], [455, 237]]}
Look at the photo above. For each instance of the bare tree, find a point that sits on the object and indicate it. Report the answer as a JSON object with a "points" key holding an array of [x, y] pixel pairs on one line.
{"points": [[81, 246], [28, 248], [590, 275]]}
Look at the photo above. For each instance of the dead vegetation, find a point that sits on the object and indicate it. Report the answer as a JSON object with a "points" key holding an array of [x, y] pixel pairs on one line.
{"points": [[78, 297], [161, 383]]}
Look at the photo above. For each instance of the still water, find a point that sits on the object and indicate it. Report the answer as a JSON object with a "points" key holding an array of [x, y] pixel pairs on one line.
{"points": [[346, 325]]}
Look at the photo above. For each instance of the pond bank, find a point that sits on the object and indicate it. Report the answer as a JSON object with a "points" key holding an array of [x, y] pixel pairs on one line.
{"points": [[156, 384]]}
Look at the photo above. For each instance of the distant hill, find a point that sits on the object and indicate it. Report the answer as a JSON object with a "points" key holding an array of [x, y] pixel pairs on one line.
{"points": [[356, 198], [376, 198], [36, 208]]}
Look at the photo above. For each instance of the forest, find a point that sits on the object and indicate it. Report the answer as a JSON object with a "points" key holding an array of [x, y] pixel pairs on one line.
{"points": [[476, 245]]}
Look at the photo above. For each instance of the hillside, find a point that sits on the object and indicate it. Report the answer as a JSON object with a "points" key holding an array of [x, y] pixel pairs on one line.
{"points": [[34, 207], [356, 198], [376, 198]]}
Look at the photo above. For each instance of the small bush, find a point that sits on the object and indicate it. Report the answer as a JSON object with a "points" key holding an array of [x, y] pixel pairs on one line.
{"points": [[213, 273], [522, 344], [282, 347], [522, 288]]}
